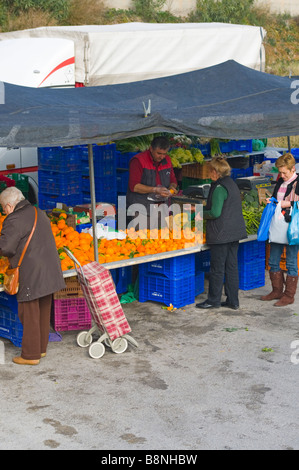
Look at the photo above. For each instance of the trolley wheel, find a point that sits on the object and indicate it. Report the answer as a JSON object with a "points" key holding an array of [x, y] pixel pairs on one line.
{"points": [[84, 339], [119, 345], [107, 342], [96, 350]]}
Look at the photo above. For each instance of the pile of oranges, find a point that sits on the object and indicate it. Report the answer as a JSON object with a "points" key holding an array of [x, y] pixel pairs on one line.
{"points": [[135, 244], [80, 244]]}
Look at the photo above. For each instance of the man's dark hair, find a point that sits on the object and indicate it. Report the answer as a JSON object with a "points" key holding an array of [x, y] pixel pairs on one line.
{"points": [[160, 142]]}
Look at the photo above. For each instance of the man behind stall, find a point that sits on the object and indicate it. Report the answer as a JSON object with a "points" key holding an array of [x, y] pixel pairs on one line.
{"points": [[151, 182]]}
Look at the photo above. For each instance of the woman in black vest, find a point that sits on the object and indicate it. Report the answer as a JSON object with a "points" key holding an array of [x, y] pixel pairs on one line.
{"points": [[225, 227]]}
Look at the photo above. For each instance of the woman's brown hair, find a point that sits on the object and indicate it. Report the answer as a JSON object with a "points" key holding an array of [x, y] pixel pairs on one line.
{"points": [[286, 160], [220, 165]]}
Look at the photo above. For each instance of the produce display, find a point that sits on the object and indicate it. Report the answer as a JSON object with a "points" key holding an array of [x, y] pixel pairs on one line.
{"points": [[135, 144], [182, 155], [183, 150], [136, 244], [252, 211]]}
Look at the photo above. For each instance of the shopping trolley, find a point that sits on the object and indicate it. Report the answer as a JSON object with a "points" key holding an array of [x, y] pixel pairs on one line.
{"points": [[108, 318]]}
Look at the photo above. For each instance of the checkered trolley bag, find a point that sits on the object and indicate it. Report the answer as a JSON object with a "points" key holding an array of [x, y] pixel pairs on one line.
{"points": [[108, 317]]}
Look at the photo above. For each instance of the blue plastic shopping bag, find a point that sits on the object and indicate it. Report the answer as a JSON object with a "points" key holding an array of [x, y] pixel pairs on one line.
{"points": [[293, 230], [268, 212]]}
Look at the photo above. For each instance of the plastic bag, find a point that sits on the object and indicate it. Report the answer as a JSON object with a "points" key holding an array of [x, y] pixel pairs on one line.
{"points": [[293, 230], [268, 212], [278, 227]]}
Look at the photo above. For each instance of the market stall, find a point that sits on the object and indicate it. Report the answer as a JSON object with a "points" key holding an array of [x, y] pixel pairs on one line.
{"points": [[227, 101]]}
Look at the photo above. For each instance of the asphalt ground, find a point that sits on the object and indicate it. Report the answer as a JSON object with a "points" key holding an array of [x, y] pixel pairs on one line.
{"points": [[215, 379]]}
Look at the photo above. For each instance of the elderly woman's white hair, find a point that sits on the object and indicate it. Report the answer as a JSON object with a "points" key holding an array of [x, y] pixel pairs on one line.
{"points": [[11, 196]]}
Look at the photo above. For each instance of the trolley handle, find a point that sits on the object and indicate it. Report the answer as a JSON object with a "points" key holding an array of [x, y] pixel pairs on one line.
{"points": [[73, 258]]}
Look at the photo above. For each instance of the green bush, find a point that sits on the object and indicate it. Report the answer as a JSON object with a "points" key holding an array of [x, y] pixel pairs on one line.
{"points": [[225, 11], [57, 8]]}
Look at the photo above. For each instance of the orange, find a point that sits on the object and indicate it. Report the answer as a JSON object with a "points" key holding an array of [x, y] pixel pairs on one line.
{"points": [[61, 224]]}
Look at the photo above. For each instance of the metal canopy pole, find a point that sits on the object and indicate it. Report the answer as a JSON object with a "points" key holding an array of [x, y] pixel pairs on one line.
{"points": [[93, 202]]}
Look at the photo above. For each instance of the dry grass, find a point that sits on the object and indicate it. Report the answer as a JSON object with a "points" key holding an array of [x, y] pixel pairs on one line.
{"points": [[281, 45], [31, 19], [86, 12], [282, 142]]}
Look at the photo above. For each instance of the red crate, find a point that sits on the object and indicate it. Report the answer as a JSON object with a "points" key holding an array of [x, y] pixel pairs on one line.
{"points": [[71, 314]]}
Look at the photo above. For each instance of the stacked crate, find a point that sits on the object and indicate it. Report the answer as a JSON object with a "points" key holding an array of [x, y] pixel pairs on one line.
{"points": [[251, 263], [104, 161], [70, 310], [169, 281], [122, 278], [59, 176], [10, 326], [122, 171], [202, 266]]}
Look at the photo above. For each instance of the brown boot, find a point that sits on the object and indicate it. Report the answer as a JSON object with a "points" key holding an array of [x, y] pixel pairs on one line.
{"points": [[289, 293], [277, 286]]}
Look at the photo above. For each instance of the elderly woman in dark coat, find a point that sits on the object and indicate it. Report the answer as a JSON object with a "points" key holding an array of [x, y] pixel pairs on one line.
{"points": [[40, 271]]}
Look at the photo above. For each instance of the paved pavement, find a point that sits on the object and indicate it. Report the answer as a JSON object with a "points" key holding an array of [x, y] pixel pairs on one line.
{"points": [[199, 380]]}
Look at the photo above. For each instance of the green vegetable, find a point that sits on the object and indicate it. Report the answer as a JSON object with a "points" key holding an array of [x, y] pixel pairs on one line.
{"points": [[134, 144], [252, 211], [181, 155], [215, 147]]}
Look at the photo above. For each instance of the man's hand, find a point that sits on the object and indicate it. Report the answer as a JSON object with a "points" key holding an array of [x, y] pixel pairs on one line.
{"points": [[162, 191], [173, 190]]}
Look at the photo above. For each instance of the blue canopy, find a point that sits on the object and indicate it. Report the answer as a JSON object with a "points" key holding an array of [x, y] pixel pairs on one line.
{"points": [[228, 101]]}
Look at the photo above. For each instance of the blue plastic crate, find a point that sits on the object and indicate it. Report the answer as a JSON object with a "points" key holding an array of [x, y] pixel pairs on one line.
{"points": [[108, 196], [106, 169], [64, 184], [241, 172], [172, 268], [102, 184], [253, 250], [49, 201], [178, 292], [59, 159], [202, 261], [227, 147], [295, 153], [243, 145], [10, 326], [104, 160], [251, 274], [123, 159], [199, 283], [256, 159], [122, 181], [122, 278], [204, 148]]}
